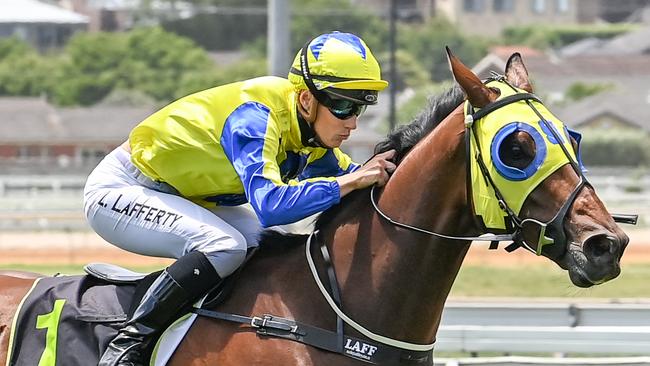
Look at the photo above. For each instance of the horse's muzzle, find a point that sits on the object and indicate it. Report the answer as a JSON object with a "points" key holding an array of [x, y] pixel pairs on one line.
{"points": [[598, 259]]}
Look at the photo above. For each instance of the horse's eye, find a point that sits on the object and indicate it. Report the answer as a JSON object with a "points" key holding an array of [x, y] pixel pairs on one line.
{"points": [[517, 150]]}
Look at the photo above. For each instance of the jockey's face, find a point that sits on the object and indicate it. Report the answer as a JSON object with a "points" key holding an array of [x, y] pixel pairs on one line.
{"points": [[331, 130]]}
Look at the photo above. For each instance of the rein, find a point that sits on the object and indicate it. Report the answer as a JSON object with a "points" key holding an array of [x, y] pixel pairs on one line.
{"points": [[554, 226], [485, 237]]}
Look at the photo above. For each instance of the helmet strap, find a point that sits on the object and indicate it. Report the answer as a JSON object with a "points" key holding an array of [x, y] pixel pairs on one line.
{"points": [[308, 136], [320, 95], [307, 117]]}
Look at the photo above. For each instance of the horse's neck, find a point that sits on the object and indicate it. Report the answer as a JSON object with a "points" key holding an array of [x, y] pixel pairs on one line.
{"points": [[394, 280]]}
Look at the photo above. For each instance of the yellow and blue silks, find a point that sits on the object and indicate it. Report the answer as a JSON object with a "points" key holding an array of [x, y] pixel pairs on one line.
{"points": [[238, 143]]}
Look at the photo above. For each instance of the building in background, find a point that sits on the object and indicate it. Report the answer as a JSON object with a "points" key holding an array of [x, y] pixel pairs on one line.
{"points": [[38, 138], [40, 24], [407, 10], [120, 15], [620, 66], [491, 17], [479, 17], [631, 43], [618, 110], [104, 15], [624, 11]]}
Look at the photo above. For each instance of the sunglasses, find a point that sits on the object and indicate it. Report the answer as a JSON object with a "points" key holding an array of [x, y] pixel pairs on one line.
{"points": [[344, 109]]}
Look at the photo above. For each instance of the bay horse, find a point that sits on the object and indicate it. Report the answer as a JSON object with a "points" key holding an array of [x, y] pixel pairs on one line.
{"points": [[394, 275]]}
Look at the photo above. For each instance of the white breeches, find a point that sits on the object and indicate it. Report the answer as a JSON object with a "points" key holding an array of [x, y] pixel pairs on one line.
{"points": [[133, 212]]}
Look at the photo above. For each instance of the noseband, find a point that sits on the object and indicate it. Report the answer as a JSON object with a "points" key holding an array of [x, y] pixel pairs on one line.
{"points": [[550, 232]]}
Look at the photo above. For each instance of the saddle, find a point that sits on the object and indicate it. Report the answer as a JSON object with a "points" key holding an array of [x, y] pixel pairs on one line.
{"points": [[69, 320], [118, 275]]}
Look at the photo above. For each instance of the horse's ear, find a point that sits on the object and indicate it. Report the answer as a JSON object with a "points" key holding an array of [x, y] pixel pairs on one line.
{"points": [[477, 93], [517, 74]]}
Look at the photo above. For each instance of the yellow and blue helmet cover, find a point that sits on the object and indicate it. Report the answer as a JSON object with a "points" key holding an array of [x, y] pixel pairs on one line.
{"points": [[339, 60]]}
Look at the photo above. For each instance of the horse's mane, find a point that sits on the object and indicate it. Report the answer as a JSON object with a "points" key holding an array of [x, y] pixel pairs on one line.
{"points": [[402, 139]]}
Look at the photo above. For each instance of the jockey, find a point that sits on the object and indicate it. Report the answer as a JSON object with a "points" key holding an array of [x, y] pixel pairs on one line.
{"points": [[183, 184]]}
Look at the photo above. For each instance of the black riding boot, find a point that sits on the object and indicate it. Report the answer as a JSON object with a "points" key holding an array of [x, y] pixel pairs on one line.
{"points": [[177, 287]]}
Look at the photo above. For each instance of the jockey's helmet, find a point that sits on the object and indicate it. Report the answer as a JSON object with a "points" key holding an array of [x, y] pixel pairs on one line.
{"points": [[338, 66]]}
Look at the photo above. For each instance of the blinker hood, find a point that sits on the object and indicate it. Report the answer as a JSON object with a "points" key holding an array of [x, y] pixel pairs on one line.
{"points": [[514, 184]]}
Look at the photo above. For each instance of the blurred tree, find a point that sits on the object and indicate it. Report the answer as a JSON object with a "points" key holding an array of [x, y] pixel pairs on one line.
{"points": [[221, 24], [615, 147], [149, 60], [541, 37], [410, 72], [418, 103], [313, 17], [13, 47], [90, 68], [26, 75], [157, 61], [219, 31], [165, 66], [22, 70], [580, 90], [426, 42], [128, 97], [199, 80]]}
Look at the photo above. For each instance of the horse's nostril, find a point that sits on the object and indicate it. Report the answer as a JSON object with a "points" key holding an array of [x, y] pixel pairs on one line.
{"points": [[599, 245]]}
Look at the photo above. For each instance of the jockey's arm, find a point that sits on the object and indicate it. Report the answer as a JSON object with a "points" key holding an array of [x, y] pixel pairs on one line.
{"points": [[252, 150]]}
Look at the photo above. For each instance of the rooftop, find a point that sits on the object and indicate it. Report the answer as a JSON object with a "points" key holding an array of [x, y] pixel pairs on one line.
{"points": [[33, 120], [633, 109], [631, 43], [33, 11]]}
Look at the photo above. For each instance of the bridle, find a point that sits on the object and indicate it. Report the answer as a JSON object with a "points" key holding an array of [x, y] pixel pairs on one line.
{"points": [[551, 231]]}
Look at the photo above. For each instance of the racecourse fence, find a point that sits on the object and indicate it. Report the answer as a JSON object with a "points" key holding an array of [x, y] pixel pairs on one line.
{"points": [[54, 202], [559, 328]]}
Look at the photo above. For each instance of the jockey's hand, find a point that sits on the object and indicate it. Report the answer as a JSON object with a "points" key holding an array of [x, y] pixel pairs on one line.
{"points": [[376, 171]]}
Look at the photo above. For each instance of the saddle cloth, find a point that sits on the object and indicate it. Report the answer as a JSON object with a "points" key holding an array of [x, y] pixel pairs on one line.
{"points": [[69, 321]]}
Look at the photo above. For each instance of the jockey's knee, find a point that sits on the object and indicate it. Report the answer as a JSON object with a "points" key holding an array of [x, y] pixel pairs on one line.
{"points": [[226, 262], [226, 252]]}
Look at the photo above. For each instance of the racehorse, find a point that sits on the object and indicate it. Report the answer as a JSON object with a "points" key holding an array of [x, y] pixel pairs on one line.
{"points": [[396, 251]]}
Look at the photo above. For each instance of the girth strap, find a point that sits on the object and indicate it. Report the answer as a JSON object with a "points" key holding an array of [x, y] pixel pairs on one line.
{"points": [[364, 350]]}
